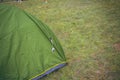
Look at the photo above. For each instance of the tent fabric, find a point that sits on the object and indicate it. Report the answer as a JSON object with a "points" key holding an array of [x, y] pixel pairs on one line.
{"points": [[49, 71], [28, 48]]}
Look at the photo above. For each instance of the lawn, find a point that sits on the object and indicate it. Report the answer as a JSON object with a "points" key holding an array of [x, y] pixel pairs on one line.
{"points": [[89, 31]]}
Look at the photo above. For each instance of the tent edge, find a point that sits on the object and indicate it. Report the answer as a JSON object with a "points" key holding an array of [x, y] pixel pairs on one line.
{"points": [[49, 70]]}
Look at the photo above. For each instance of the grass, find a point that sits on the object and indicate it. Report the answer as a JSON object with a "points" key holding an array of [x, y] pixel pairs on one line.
{"points": [[88, 31]]}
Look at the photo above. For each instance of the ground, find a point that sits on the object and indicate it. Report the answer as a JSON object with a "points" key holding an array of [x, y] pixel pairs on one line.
{"points": [[89, 31]]}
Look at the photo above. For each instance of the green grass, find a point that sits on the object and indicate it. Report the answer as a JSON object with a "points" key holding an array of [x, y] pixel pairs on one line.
{"points": [[87, 30]]}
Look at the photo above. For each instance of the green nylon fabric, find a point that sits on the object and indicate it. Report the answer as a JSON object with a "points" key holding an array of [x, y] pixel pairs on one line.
{"points": [[25, 45]]}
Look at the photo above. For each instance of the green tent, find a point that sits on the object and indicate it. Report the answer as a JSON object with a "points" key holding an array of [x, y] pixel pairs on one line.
{"points": [[28, 48]]}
